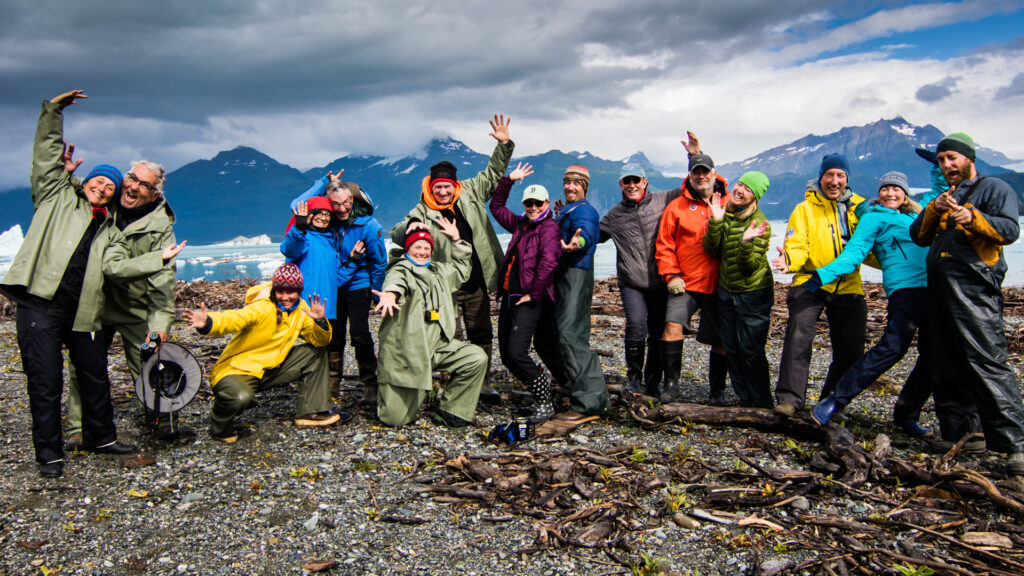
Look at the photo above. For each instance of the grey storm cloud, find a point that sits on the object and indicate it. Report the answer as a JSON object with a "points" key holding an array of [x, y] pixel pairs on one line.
{"points": [[936, 91], [189, 61], [1014, 90]]}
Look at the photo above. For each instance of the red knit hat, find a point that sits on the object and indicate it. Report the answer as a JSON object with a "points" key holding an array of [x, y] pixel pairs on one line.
{"points": [[287, 277], [319, 203], [418, 235]]}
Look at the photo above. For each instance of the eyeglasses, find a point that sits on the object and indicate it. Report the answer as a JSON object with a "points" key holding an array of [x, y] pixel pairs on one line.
{"points": [[345, 204], [131, 177], [631, 180], [531, 203]]}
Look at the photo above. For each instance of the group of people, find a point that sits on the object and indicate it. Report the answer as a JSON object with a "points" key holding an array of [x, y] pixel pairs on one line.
{"points": [[701, 247]]}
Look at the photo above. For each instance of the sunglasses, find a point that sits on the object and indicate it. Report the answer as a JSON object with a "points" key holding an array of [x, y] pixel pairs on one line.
{"points": [[631, 180], [532, 203]]}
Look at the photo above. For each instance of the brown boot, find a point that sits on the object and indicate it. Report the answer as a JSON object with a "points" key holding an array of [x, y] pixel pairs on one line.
{"points": [[335, 361]]}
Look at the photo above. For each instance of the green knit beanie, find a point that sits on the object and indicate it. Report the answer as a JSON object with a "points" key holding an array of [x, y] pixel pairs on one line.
{"points": [[960, 143], [756, 181]]}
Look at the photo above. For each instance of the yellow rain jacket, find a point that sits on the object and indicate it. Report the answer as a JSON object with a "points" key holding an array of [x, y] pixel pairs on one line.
{"points": [[261, 342], [815, 237]]}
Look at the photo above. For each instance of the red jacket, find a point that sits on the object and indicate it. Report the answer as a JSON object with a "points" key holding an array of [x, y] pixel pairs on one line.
{"points": [[680, 248]]}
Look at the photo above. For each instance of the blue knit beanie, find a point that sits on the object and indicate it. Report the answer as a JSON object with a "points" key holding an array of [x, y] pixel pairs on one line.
{"points": [[831, 161], [110, 172]]}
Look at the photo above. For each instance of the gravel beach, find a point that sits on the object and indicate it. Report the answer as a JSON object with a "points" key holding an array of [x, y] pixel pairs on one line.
{"points": [[358, 495]]}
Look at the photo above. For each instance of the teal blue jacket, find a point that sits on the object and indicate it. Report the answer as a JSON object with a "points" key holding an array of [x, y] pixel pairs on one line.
{"points": [[885, 233]]}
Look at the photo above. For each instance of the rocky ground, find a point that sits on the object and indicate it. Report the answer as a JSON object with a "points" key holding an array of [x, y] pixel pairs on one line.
{"points": [[616, 496]]}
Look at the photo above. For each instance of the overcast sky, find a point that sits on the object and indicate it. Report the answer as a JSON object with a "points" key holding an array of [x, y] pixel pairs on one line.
{"points": [[307, 82]]}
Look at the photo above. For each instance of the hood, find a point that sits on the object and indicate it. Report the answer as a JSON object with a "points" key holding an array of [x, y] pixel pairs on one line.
{"points": [[361, 203], [258, 292]]}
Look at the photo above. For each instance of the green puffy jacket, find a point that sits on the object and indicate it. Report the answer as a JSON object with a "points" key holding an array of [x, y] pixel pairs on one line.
{"points": [[743, 265], [149, 299], [472, 203], [62, 214]]}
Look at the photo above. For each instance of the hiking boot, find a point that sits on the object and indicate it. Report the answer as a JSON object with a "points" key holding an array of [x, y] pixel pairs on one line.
{"points": [[318, 419], [116, 448], [915, 430], [74, 442], [785, 409], [672, 359], [570, 416], [52, 469], [230, 438], [941, 446], [489, 396], [450, 420], [1015, 464]]}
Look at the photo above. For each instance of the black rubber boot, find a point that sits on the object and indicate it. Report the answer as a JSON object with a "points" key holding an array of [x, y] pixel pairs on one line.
{"points": [[716, 379], [671, 360], [543, 409], [368, 376], [635, 367]]}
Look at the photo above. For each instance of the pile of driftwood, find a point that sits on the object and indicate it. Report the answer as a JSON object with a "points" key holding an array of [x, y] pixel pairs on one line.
{"points": [[920, 514]]}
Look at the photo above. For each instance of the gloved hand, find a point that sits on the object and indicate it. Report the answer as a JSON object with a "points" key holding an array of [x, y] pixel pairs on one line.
{"points": [[676, 286], [813, 284]]}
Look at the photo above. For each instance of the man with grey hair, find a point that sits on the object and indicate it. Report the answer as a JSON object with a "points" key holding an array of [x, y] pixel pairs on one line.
{"points": [[139, 309]]}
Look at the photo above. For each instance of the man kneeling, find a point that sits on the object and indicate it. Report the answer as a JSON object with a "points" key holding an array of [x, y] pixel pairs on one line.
{"points": [[263, 355], [418, 337]]}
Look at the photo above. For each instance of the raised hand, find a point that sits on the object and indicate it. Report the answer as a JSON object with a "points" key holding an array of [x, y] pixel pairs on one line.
{"points": [[357, 251], [70, 164], [692, 144], [500, 128], [196, 318], [558, 205], [521, 171], [448, 228], [387, 303], [780, 263], [414, 226], [755, 230], [68, 98], [335, 177], [316, 307], [301, 211], [173, 250], [573, 244], [717, 210]]}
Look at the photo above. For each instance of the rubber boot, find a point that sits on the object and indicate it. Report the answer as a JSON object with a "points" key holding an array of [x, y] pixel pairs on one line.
{"points": [[488, 395], [368, 376], [543, 409], [635, 367], [671, 360], [336, 362], [716, 379]]}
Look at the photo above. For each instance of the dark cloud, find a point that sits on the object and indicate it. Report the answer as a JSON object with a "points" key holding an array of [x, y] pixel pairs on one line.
{"points": [[930, 93], [1014, 90]]}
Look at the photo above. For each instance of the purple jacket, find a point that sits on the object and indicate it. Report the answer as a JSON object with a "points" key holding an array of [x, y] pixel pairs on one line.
{"points": [[538, 245]]}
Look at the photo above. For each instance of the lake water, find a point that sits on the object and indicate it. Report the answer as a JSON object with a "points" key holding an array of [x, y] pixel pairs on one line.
{"points": [[214, 263]]}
